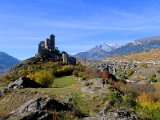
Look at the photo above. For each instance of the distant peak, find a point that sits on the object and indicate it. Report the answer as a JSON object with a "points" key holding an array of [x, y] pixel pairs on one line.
{"points": [[105, 47]]}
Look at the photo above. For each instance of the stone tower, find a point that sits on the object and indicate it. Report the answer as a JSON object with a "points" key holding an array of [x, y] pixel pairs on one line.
{"points": [[65, 58], [47, 43], [41, 47], [52, 42], [47, 46]]}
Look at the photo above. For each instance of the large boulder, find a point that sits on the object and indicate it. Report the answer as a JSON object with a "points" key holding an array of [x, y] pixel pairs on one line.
{"points": [[38, 109], [39, 104], [24, 82]]}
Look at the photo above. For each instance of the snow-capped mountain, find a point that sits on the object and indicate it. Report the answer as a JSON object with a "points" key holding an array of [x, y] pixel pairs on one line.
{"points": [[97, 52], [105, 50]]}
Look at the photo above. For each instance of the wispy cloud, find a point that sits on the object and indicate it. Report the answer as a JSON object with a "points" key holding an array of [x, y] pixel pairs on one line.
{"points": [[78, 25]]}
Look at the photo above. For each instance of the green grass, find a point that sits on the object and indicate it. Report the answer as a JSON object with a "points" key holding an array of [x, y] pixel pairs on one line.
{"points": [[65, 81]]}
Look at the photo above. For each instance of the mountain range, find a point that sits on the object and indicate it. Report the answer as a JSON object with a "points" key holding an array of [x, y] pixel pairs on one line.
{"points": [[97, 52], [6, 61], [105, 50]]}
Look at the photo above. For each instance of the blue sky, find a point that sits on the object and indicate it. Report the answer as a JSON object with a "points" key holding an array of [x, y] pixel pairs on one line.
{"points": [[77, 24]]}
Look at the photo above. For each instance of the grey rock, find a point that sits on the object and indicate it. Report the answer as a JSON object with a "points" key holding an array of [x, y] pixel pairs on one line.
{"points": [[24, 82], [37, 109], [3, 91], [39, 115], [120, 114], [39, 104], [104, 111]]}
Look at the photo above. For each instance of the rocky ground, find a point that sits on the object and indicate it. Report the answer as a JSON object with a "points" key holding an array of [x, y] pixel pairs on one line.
{"points": [[94, 86], [27, 100]]}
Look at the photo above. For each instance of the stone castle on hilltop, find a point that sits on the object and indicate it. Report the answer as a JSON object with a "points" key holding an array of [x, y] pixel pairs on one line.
{"points": [[47, 48]]}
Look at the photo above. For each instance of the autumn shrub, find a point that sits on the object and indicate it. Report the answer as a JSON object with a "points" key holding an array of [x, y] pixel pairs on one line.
{"points": [[155, 114], [80, 67], [80, 74], [23, 72], [129, 100], [113, 97], [136, 89], [65, 70], [80, 103], [43, 77], [147, 105], [93, 73], [68, 69], [33, 68]]}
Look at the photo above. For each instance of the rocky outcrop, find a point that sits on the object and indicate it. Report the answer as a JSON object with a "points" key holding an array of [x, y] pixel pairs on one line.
{"points": [[38, 109], [22, 82], [39, 115], [39, 104], [120, 114], [44, 108], [93, 86]]}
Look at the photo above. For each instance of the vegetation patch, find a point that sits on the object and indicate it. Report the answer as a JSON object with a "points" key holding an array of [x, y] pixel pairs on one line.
{"points": [[64, 81]]}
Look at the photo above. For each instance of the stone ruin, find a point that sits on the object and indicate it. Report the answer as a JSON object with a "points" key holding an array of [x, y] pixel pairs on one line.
{"points": [[47, 48]]}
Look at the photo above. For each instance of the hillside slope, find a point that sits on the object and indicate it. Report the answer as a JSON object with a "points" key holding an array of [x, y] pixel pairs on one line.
{"points": [[151, 55], [6, 61], [139, 45]]}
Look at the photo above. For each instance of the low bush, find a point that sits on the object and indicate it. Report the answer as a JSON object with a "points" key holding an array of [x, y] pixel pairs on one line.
{"points": [[129, 100], [43, 77], [113, 97], [149, 106]]}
